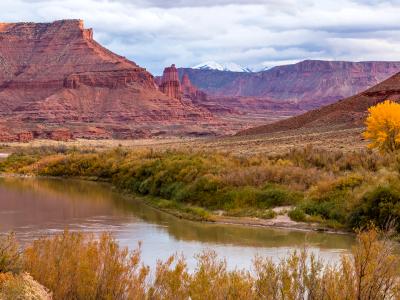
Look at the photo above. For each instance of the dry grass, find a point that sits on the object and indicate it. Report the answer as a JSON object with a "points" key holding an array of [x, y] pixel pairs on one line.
{"points": [[276, 143]]}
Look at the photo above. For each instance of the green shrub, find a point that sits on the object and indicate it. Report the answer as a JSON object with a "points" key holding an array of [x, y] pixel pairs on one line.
{"points": [[381, 206], [297, 215], [198, 212], [251, 212], [349, 182], [273, 196], [167, 204], [327, 210]]}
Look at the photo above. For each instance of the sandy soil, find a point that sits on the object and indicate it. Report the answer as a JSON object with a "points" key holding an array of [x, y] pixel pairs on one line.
{"points": [[282, 220]]}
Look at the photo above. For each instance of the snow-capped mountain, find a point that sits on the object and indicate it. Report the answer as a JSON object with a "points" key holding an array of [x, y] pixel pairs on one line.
{"points": [[212, 65]]}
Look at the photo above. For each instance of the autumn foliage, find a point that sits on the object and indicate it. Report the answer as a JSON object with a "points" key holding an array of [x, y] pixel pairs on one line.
{"points": [[383, 126], [78, 266]]}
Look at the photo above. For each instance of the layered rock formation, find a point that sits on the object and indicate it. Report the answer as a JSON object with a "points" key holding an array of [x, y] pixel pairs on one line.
{"points": [[55, 76], [346, 113], [187, 87], [170, 84], [192, 92]]}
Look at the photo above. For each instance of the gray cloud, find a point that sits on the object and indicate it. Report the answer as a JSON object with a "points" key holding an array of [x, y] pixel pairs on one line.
{"points": [[254, 33], [197, 3]]}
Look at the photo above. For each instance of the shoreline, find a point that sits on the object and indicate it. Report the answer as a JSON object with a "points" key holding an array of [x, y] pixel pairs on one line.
{"points": [[279, 222], [274, 223]]}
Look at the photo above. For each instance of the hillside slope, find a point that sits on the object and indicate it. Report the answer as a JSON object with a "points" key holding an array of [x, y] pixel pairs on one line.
{"points": [[347, 113]]}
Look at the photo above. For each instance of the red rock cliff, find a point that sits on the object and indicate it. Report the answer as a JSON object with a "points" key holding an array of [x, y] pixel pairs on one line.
{"points": [[56, 75], [187, 87], [191, 91]]}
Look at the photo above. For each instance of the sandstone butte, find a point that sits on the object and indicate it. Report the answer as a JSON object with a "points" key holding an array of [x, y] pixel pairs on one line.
{"points": [[170, 84], [57, 82], [346, 113]]}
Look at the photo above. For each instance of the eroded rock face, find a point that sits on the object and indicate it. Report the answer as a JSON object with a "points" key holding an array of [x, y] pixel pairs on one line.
{"points": [[170, 84], [5, 136], [56, 75], [187, 87], [8, 135], [192, 92], [61, 134], [25, 136]]}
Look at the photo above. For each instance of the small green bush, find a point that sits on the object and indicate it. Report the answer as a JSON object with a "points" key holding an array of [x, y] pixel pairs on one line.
{"points": [[249, 212], [381, 206], [273, 196], [297, 215]]}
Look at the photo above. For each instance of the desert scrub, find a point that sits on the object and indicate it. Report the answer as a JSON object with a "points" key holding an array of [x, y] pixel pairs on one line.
{"points": [[10, 255], [14, 283], [78, 266], [30, 155], [21, 286], [256, 213], [180, 210]]}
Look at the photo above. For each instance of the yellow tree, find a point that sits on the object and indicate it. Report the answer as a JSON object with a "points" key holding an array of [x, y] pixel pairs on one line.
{"points": [[383, 126]]}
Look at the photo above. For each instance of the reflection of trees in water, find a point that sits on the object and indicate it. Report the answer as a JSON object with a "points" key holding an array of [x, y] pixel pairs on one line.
{"points": [[36, 202], [72, 189], [91, 198], [232, 234], [257, 237]]}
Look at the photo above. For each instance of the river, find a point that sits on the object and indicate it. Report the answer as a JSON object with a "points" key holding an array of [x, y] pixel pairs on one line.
{"points": [[33, 208]]}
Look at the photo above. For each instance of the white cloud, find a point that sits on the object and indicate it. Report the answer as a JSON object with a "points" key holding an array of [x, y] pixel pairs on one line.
{"points": [[254, 33]]}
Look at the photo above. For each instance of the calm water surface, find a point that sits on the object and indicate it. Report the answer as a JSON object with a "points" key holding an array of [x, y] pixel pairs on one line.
{"points": [[39, 207]]}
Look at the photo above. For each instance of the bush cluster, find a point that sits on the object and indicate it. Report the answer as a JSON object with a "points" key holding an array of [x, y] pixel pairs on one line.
{"points": [[80, 266]]}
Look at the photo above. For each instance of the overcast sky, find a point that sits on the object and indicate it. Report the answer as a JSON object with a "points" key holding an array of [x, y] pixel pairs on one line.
{"points": [[254, 33]]}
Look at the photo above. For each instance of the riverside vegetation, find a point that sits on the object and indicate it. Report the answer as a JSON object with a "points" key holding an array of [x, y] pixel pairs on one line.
{"points": [[338, 189], [79, 266]]}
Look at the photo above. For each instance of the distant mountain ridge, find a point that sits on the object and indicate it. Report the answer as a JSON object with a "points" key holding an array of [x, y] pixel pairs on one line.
{"points": [[310, 83], [228, 67]]}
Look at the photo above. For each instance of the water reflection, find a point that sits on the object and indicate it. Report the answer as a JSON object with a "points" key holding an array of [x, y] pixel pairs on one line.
{"points": [[37, 207]]}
